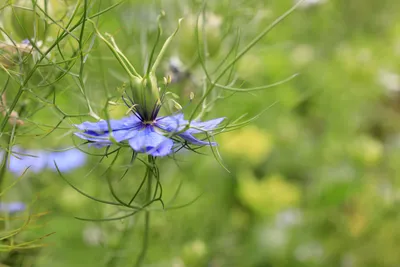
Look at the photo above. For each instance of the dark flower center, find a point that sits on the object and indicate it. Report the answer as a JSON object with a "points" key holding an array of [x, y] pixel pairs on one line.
{"points": [[149, 122]]}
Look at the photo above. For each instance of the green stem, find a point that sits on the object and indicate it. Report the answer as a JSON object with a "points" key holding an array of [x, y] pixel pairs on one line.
{"points": [[145, 246], [4, 165], [7, 153]]}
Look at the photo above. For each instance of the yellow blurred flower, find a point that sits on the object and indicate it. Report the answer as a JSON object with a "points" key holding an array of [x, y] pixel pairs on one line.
{"points": [[195, 253], [70, 200], [356, 224], [268, 195], [302, 54], [250, 144], [367, 150]]}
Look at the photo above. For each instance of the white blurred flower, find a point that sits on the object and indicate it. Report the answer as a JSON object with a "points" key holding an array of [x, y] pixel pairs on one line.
{"points": [[273, 238], [364, 55], [389, 80], [288, 218], [309, 3], [177, 262], [386, 191], [309, 252], [348, 260], [93, 235], [177, 70], [302, 54]]}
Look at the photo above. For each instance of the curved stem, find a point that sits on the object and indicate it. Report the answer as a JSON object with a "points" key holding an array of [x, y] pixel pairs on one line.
{"points": [[145, 246]]}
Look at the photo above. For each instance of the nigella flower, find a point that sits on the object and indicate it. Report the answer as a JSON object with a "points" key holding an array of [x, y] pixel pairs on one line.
{"points": [[38, 160], [144, 130], [66, 160], [155, 136], [12, 207], [22, 159]]}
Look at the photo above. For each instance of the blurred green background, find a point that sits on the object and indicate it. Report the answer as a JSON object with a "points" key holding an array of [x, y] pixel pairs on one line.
{"points": [[314, 181]]}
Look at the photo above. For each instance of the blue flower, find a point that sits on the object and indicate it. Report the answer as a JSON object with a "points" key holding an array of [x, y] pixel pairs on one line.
{"points": [[155, 136], [66, 160], [21, 159], [12, 207], [39, 160]]}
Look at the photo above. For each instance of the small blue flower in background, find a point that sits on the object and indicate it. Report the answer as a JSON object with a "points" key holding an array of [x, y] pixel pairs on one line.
{"points": [[67, 160], [155, 136], [12, 207], [39, 160], [21, 159]]}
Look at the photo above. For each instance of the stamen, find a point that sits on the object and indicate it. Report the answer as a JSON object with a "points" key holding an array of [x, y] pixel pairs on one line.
{"points": [[149, 122]]}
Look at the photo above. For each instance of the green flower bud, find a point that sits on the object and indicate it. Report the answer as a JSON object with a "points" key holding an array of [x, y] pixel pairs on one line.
{"points": [[32, 21], [27, 20], [145, 94]]}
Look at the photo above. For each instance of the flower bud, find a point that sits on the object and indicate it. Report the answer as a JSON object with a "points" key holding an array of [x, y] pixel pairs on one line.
{"points": [[145, 94], [10, 54], [28, 21]]}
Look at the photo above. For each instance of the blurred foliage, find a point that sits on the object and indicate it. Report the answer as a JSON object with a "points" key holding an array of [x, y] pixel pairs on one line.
{"points": [[312, 182]]}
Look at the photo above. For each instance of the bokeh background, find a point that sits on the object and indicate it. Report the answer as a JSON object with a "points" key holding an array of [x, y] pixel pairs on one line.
{"points": [[313, 181]]}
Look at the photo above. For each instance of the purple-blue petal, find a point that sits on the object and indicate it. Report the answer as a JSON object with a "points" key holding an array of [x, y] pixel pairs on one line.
{"points": [[150, 142], [94, 137], [100, 144], [177, 123], [204, 126], [194, 141], [66, 160], [101, 127], [119, 136], [12, 207], [123, 135], [98, 133], [172, 124]]}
